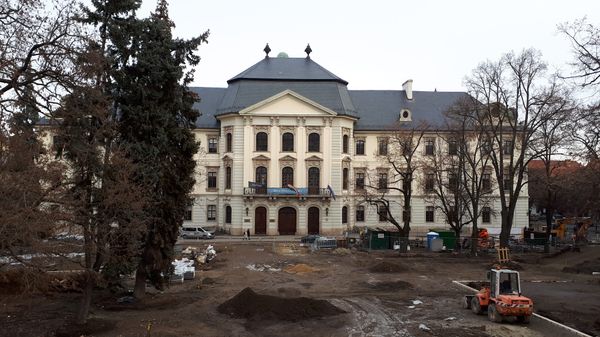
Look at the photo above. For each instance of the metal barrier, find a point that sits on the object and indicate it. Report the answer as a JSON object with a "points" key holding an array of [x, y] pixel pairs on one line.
{"points": [[324, 242]]}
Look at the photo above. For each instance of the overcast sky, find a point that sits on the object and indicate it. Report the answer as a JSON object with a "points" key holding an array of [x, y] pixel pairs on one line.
{"points": [[376, 44]]}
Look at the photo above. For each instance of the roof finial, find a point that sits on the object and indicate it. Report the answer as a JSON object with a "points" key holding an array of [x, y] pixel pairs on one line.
{"points": [[267, 50], [308, 51]]}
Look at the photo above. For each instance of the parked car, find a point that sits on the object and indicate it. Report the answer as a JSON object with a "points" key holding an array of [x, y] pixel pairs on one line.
{"points": [[195, 232]]}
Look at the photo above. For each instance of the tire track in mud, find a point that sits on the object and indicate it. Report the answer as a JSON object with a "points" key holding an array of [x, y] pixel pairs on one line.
{"points": [[371, 318]]}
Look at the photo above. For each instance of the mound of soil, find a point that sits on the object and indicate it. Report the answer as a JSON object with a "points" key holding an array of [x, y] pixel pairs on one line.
{"points": [[505, 265], [390, 285], [300, 268], [585, 267], [387, 267], [250, 305]]}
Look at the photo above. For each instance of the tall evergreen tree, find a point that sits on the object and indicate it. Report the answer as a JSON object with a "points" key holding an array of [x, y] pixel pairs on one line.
{"points": [[156, 118]]}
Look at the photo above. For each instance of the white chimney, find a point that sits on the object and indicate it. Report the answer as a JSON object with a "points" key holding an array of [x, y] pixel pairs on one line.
{"points": [[407, 86]]}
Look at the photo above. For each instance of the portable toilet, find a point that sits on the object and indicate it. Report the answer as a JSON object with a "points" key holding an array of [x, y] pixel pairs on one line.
{"points": [[430, 237]]}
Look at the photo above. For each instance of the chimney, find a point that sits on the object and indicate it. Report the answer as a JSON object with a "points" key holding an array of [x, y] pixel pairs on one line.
{"points": [[407, 86]]}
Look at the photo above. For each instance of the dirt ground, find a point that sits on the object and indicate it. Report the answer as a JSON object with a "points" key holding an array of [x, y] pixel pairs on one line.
{"points": [[374, 294]]}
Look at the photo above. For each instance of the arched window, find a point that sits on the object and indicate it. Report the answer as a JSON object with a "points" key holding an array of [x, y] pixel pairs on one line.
{"points": [[287, 142], [229, 140], [313, 180], [314, 142], [287, 176], [228, 214], [228, 178], [262, 141], [345, 214], [345, 178], [345, 144], [261, 178]]}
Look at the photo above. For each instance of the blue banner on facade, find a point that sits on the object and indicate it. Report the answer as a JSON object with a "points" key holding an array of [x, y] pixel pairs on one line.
{"points": [[286, 191]]}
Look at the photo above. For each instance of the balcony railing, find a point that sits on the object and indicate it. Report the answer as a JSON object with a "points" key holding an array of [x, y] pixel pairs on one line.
{"points": [[287, 192]]}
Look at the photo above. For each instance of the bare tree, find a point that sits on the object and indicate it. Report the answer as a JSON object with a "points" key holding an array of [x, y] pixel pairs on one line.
{"points": [[403, 161], [36, 60], [549, 141], [513, 96]]}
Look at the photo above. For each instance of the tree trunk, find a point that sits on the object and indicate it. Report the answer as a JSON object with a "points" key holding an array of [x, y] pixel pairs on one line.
{"points": [[86, 300], [474, 238], [457, 245], [549, 215], [139, 290], [506, 226]]}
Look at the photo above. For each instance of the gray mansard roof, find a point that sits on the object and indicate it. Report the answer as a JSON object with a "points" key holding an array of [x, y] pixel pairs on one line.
{"points": [[374, 109]]}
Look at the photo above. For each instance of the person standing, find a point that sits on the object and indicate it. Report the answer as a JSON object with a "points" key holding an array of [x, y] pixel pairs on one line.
{"points": [[248, 233]]}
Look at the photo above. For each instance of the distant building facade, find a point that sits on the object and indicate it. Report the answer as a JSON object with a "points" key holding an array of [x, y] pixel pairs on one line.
{"points": [[286, 147]]}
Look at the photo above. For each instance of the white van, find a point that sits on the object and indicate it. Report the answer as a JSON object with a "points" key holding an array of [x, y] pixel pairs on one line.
{"points": [[195, 232]]}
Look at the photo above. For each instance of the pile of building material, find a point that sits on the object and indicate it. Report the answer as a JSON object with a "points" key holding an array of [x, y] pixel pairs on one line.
{"points": [[183, 269]]}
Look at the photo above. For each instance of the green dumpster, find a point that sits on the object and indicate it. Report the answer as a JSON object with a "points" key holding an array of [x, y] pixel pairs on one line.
{"points": [[379, 240], [447, 235]]}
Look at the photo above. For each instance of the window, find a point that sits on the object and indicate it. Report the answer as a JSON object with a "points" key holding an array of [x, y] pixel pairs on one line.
{"points": [[360, 181], [507, 183], [261, 176], [383, 181], [228, 178], [486, 181], [212, 179], [228, 142], [345, 178], [486, 146], [314, 175], [486, 215], [262, 141], [211, 212], [344, 214], [429, 147], [383, 147], [429, 214], [360, 213], [58, 146], [345, 140], [287, 176], [382, 211], [227, 214], [508, 144], [452, 147], [360, 147], [429, 182], [188, 210], [452, 181], [314, 142], [287, 142], [212, 145]]}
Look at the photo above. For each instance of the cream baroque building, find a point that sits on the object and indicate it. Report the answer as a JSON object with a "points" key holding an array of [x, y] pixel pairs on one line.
{"points": [[290, 122]]}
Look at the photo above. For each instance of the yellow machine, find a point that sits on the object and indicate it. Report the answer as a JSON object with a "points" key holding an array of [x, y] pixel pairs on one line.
{"points": [[581, 226]]}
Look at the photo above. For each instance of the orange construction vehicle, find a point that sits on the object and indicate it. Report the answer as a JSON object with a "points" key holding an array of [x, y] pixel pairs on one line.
{"points": [[485, 241], [581, 225], [501, 298]]}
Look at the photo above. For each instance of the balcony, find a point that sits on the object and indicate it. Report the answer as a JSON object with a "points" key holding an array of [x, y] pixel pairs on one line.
{"points": [[282, 192]]}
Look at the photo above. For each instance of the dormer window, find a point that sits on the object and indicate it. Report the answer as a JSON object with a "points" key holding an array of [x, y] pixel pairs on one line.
{"points": [[405, 115]]}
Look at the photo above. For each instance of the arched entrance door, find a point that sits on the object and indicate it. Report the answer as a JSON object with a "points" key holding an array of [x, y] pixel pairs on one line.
{"points": [[260, 221], [313, 220], [286, 223]]}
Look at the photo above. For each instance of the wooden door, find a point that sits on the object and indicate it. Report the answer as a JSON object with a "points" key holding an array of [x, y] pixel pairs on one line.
{"points": [[313, 220], [286, 223], [260, 221]]}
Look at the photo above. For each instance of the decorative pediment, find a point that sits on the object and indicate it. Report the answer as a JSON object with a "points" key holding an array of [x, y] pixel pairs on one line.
{"points": [[287, 158], [261, 158], [288, 103], [313, 158], [227, 158]]}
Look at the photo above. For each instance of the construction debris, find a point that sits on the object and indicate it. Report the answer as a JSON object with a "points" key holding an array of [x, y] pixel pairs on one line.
{"points": [[300, 268]]}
